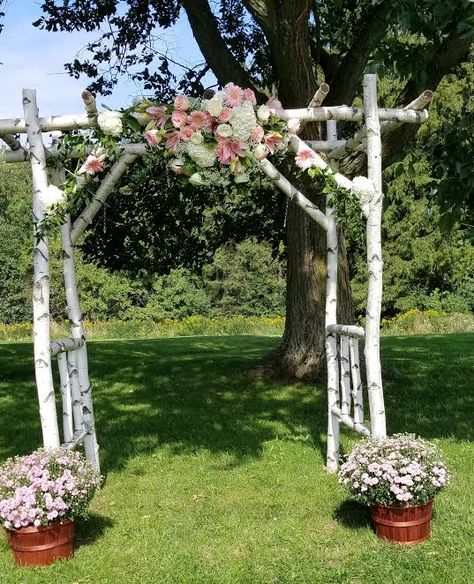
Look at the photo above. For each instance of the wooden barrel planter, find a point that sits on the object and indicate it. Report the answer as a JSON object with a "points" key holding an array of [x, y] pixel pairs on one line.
{"points": [[405, 525], [41, 546]]}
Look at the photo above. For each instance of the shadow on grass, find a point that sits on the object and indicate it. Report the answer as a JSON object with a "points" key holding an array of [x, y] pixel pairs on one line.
{"points": [[89, 531], [189, 394], [353, 515]]}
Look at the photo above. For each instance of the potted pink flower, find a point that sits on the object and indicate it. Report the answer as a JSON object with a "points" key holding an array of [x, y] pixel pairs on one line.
{"points": [[397, 477], [41, 495]]}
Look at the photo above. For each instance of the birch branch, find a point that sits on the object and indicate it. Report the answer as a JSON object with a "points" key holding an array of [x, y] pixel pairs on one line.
{"points": [[346, 113], [293, 193], [100, 197], [47, 124], [359, 142], [89, 103], [41, 278]]}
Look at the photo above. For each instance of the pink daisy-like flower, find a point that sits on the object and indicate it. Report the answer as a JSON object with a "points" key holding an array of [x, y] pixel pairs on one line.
{"points": [[250, 96], [234, 95], [198, 119], [92, 165], [178, 118], [305, 159], [181, 102]]}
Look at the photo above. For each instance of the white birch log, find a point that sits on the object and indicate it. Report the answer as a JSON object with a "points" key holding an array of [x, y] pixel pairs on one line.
{"points": [[293, 193], [41, 278], [47, 124], [68, 422], [12, 142], [77, 438], [358, 141], [345, 376], [357, 394], [374, 260], [63, 345], [350, 423], [76, 400], [332, 250], [319, 96], [89, 103], [105, 189], [346, 113], [325, 145], [349, 330]]}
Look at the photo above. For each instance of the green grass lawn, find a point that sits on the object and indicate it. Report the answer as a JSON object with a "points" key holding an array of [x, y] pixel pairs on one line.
{"points": [[213, 478]]}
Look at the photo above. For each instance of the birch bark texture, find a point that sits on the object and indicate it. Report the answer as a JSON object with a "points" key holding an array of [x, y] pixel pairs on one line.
{"points": [[332, 250], [41, 277], [374, 259]]}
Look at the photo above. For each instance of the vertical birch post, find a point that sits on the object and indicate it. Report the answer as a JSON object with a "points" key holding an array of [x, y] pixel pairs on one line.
{"points": [[332, 459], [374, 260], [77, 362], [68, 425], [41, 278], [357, 394]]}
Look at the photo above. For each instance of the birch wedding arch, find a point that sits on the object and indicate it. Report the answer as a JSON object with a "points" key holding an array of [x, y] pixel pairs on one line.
{"points": [[220, 141]]}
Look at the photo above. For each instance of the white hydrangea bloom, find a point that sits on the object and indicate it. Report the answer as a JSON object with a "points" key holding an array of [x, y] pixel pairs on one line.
{"points": [[263, 113], [224, 130], [51, 196], [214, 105], [202, 154], [363, 188], [260, 151], [110, 122], [243, 121]]}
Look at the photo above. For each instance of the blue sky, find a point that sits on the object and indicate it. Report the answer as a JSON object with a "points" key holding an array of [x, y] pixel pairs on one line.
{"points": [[33, 58]]}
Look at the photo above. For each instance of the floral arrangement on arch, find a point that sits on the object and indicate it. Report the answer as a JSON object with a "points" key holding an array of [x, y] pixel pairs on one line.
{"points": [[212, 141], [46, 486], [397, 470]]}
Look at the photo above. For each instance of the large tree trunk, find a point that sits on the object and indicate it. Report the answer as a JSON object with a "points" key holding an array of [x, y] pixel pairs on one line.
{"points": [[301, 352]]}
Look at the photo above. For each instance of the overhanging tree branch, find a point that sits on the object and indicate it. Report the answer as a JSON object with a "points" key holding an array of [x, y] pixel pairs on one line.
{"points": [[218, 56]]}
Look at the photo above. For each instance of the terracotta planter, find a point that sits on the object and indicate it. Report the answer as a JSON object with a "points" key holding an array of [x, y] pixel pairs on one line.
{"points": [[40, 546], [405, 525]]}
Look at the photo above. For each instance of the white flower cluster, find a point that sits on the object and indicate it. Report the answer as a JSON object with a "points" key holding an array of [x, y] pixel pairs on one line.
{"points": [[214, 105], [51, 196], [394, 471], [110, 122], [202, 154], [363, 188], [243, 121]]}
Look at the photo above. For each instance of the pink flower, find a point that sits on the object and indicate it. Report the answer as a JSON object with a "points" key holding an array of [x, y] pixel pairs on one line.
{"points": [[198, 119], [272, 140], [274, 105], [178, 118], [225, 114], [234, 95], [92, 165], [181, 102], [228, 150], [257, 134], [305, 159], [172, 140], [159, 113], [186, 133], [250, 96], [152, 137]]}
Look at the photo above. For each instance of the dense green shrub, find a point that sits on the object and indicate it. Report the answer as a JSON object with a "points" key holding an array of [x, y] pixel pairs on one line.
{"points": [[245, 279]]}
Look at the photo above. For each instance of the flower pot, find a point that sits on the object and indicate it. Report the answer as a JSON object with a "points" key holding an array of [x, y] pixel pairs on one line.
{"points": [[40, 546], [405, 525]]}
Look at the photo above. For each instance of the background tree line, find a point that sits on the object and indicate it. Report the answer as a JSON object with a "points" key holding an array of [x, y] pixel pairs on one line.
{"points": [[163, 250]]}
